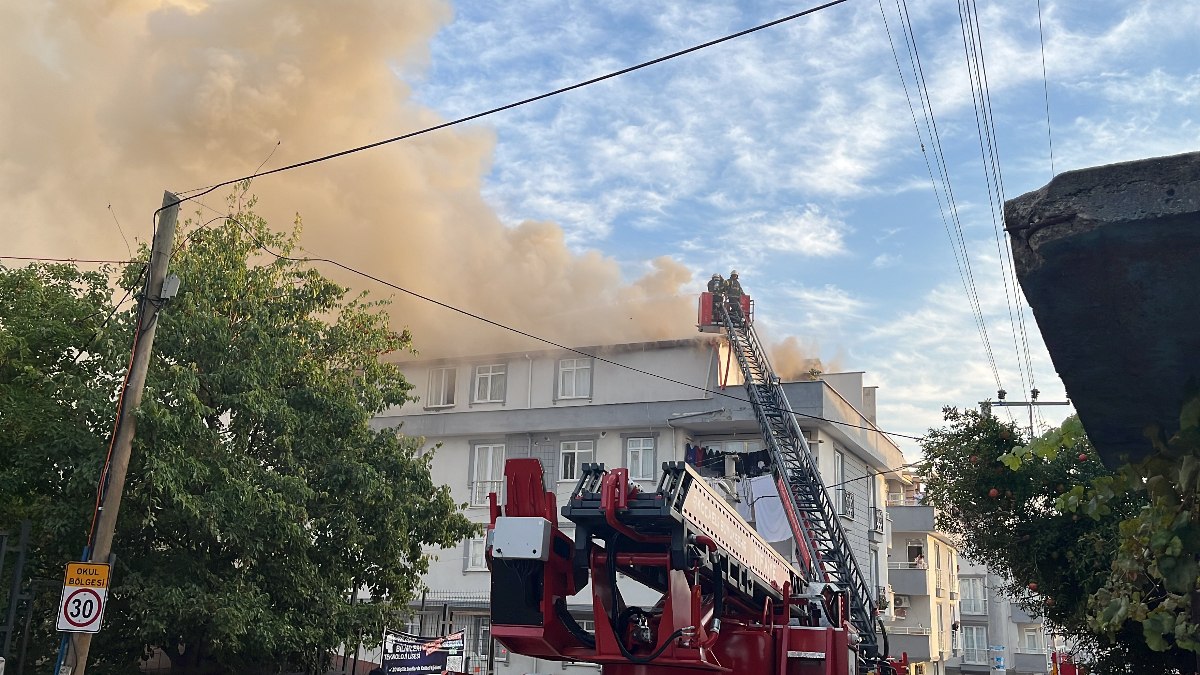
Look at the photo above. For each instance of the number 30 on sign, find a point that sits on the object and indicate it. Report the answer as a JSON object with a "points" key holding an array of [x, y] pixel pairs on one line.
{"points": [[85, 590]]}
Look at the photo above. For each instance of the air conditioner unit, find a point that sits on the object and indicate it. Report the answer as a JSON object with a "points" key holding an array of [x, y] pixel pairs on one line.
{"points": [[902, 602]]}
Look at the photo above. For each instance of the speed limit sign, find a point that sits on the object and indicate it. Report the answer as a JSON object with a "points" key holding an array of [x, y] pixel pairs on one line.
{"points": [[85, 590]]}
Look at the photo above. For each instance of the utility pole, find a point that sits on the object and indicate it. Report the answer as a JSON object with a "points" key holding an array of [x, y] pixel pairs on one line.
{"points": [[148, 308], [1031, 403]]}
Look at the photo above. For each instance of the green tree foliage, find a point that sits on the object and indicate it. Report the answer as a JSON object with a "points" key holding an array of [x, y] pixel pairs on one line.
{"points": [[258, 495], [1032, 514]]}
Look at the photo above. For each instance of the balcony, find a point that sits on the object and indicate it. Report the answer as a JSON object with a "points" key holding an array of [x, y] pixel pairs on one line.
{"points": [[911, 518], [1030, 661], [914, 641], [906, 579]]}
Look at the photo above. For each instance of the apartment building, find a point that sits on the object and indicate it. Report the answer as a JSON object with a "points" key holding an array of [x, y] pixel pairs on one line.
{"points": [[996, 635], [922, 568], [567, 408]]}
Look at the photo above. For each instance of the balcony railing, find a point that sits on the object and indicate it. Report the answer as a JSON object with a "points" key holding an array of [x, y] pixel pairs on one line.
{"points": [[973, 654], [480, 490], [972, 605], [877, 519], [845, 502], [897, 500], [909, 630]]}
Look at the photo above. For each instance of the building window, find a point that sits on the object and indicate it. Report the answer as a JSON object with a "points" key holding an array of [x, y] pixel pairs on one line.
{"points": [[639, 454], [476, 561], [574, 378], [488, 472], [441, 388], [572, 456], [975, 644], [489, 383], [972, 600], [1031, 640], [941, 631], [842, 497]]}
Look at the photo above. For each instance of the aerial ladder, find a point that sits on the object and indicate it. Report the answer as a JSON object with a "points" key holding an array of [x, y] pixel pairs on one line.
{"points": [[727, 601]]}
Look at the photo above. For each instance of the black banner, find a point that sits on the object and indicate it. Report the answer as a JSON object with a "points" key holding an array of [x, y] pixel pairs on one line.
{"points": [[408, 654]]}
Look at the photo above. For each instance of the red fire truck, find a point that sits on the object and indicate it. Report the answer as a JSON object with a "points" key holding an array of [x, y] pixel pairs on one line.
{"points": [[729, 603]]}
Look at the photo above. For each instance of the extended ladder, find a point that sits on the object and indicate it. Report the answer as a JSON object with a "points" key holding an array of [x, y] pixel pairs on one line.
{"points": [[824, 548]]}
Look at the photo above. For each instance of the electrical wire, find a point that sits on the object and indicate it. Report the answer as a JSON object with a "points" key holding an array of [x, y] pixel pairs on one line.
{"points": [[1045, 87], [120, 229], [68, 260], [562, 90], [958, 248], [518, 331], [988, 153]]}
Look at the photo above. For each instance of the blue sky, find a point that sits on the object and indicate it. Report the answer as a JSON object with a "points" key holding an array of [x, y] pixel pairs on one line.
{"points": [[790, 154]]}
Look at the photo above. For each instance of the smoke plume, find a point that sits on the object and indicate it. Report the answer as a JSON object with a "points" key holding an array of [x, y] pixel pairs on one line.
{"points": [[107, 104]]}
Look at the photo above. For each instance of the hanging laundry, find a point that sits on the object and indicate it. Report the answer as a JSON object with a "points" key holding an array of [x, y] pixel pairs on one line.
{"points": [[769, 518]]}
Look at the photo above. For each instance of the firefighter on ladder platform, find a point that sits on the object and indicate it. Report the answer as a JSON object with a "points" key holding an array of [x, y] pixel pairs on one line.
{"points": [[716, 286], [733, 295]]}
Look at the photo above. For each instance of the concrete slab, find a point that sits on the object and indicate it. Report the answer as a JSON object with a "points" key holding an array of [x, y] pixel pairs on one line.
{"points": [[1109, 259]]}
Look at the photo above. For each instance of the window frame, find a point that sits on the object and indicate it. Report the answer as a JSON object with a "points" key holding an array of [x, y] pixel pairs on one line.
{"points": [[980, 645], [576, 465], [577, 365], [652, 449], [469, 556], [494, 467], [439, 401], [1039, 640], [478, 376]]}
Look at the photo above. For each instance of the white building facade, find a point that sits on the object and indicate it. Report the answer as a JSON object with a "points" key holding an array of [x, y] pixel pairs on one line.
{"points": [[634, 406]]}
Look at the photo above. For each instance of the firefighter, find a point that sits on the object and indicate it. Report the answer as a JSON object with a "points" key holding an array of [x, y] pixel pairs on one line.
{"points": [[733, 295], [716, 286]]}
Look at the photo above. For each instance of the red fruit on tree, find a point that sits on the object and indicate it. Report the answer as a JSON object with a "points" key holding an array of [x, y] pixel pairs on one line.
{"points": [[993, 493], [1033, 586], [1083, 456], [974, 459]]}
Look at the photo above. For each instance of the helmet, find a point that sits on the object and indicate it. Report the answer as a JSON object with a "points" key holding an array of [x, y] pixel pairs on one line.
{"points": [[733, 273], [716, 276]]}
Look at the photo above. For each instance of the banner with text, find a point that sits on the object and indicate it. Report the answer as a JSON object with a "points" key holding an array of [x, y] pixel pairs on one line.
{"points": [[408, 654]]}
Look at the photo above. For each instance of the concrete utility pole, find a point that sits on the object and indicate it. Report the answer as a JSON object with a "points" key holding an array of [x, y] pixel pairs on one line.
{"points": [[1031, 404], [151, 301]]}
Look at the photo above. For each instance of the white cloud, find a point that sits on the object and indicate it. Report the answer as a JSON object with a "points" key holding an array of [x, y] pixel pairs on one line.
{"points": [[808, 233], [884, 260]]}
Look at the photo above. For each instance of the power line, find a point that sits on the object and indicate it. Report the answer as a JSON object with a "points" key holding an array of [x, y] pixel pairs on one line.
{"points": [[538, 338], [68, 260], [120, 229], [981, 99], [645, 64], [1045, 87], [958, 248]]}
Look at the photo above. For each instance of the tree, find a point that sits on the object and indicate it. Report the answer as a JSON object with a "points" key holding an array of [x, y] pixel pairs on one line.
{"points": [[259, 496], [1024, 514]]}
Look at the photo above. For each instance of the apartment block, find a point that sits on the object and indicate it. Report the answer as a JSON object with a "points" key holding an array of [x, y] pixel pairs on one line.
{"points": [[628, 405], [922, 567], [996, 635]]}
